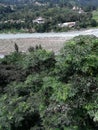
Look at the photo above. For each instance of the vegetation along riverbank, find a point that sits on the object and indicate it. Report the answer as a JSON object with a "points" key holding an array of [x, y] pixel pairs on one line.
{"points": [[43, 91]]}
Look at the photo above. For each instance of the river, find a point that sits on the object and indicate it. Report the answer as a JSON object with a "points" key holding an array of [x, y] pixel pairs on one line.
{"points": [[69, 34]]}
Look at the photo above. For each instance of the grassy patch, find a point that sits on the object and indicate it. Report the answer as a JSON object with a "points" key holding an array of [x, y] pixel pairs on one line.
{"points": [[12, 31], [95, 15]]}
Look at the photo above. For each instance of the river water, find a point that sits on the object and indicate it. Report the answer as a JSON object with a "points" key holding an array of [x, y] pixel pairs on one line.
{"points": [[52, 34]]}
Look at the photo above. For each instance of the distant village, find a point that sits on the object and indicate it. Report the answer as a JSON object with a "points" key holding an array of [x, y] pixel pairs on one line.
{"points": [[41, 20]]}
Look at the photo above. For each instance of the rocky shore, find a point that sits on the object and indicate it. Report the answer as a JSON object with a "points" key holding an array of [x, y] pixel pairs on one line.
{"points": [[48, 43]]}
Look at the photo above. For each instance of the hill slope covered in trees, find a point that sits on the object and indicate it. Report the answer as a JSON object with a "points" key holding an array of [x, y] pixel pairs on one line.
{"points": [[73, 2], [24, 15]]}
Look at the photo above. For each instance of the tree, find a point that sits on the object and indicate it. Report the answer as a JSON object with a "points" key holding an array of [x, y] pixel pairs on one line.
{"points": [[77, 66], [16, 48]]}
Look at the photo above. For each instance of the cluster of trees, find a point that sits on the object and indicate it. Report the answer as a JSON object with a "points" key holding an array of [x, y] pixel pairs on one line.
{"points": [[62, 2], [44, 91]]}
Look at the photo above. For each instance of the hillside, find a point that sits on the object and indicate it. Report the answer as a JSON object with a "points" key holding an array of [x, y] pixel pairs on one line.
{"points": [[89, 2], [72, 2], [46, 15]]}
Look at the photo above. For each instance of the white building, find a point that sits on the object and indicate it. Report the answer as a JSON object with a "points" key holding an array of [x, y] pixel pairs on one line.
{"points": [[39, 20], [67, 24]]}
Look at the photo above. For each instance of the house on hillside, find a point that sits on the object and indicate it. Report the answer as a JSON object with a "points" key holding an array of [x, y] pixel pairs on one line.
{"points": [[39, 20], [67, 24], [81, 11], [39, 4], [13, 21], [77, 9]]}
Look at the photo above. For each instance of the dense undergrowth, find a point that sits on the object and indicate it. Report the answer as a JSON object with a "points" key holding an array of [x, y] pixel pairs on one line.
{"points": [[41, 91]]}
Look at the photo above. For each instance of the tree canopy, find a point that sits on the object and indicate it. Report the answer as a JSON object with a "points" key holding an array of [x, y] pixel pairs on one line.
{"points": [[44, 91]]}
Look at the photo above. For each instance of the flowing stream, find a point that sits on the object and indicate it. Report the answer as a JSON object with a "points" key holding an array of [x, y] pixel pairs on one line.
{"points": [[69, 34]]}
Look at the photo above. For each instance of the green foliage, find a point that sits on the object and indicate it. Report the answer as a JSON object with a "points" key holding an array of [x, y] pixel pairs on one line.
{"points": [[39, 60], [14, 58], [95, 15], [78, 56], [41, 91], [79, 67], [20, 108]]}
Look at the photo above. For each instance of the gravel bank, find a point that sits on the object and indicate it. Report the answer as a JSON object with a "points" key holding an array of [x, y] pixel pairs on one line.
{"points": [[48, 43]]}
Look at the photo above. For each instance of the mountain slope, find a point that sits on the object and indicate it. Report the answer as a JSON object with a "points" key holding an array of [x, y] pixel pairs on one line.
{"points": [[73, 2], [89, 2]]}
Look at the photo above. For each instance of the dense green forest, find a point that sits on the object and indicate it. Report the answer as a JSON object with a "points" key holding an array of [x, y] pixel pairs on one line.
{"points": [[43, 91], [22, 14], [82, 2]]}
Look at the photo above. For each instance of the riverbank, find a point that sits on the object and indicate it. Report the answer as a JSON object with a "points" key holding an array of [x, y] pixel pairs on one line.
{"points": [[49, 41]]}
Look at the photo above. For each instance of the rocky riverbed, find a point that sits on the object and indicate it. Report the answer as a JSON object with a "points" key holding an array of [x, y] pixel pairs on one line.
{"points": [[48, 43]]}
